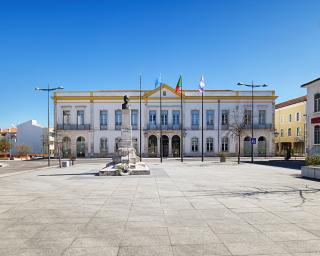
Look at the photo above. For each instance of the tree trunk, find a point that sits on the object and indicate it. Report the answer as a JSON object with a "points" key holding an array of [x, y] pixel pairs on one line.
{"points": [[239, 148]]}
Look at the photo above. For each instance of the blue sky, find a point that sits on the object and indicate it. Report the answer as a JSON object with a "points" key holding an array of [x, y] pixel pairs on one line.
{"points": [[89, 45]]}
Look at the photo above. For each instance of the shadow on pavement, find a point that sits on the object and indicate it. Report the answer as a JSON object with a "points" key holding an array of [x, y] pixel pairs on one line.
{"points": [[71, 174], [290, 164]]}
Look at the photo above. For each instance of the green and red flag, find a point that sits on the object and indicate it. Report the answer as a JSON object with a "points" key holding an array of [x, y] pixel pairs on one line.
{"points": [[179, 84]]}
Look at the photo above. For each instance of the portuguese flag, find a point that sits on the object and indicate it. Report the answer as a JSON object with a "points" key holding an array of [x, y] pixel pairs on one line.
{"points": [[179, 84]]}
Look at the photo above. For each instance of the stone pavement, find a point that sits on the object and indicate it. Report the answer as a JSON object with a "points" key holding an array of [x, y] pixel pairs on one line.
{"points": [[180, 209]]}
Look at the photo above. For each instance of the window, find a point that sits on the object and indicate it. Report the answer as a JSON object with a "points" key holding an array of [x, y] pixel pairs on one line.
{"points": [[152, 117], [247, 116], [176, 118], [290, 118], [298, 131], [282, 119], [209, 144], [194, 145], [281, 132], [164, 117], [103, 119], [134, 119], [117, 143], [289, 132], [262, 116], [298, 117], [225, 117], [118, 119], [195, 119], [103, 145], [66, 117], [225, 144], [317, 102], [80, 117], [210, 118], [317, 134]]}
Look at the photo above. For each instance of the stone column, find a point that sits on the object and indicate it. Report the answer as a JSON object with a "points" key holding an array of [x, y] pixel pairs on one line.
{"points": [[170, 146]]}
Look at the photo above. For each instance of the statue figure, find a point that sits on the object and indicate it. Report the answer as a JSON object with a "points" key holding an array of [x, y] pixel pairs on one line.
{"points": [[125, 105]]}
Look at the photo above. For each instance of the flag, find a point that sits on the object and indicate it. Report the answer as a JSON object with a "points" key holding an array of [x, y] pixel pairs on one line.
{"points": [[179, 84], [158, 81], [201, 84]]}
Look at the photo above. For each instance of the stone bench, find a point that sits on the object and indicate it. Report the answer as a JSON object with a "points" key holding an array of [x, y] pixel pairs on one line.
{"points": [[311, 171]]}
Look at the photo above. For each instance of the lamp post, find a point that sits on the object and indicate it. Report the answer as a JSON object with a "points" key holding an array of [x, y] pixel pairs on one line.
{"points": [[252, 86], [48, 90]]}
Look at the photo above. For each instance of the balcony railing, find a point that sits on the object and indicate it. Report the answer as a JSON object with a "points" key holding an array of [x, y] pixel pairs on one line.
{"points": [[73, 126], [225, 127], [103, 127], [164, 127], [210, 126], [195, 126], [259, 126]]}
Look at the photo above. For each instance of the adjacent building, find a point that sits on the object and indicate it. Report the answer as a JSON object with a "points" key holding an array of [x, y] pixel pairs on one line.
{"points": [[35, 136], [313, 116], [88, 123], [290, 126]]}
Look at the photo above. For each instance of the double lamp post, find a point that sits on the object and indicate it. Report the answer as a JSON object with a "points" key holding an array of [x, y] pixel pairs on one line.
{"points": [[49, 90]]}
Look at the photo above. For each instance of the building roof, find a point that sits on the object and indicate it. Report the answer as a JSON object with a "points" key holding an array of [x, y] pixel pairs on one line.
{"points": [[291, 102], [306, 84], [8, 130]]}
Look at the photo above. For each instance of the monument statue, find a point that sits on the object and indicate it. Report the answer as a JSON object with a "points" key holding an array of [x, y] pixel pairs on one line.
{"points": [[125, 105], [125, 161]]}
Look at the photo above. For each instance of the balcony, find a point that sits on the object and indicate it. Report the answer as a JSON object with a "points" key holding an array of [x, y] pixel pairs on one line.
{"points": [[259, 126], [164, 127], [225, 127], [73, 126], [103, 127], [210, 126], [195, 126]]}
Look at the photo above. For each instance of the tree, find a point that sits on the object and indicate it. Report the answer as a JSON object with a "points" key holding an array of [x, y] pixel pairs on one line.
{"points": [[23, 149], [237, 128], [5, 145]]}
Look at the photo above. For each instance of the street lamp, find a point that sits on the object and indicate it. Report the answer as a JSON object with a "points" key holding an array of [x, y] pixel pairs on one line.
{"points": [[252, 86], [48, 90]]}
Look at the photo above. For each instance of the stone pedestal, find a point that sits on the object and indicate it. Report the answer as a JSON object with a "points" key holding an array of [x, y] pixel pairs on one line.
{"points": [[126, 155]]}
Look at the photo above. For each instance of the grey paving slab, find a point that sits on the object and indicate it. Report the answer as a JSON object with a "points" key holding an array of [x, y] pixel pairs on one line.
{"points": [[180, 209]]}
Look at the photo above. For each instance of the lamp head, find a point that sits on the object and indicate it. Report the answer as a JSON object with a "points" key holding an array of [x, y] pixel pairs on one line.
{"points": [[240, 84], [37, 89]]}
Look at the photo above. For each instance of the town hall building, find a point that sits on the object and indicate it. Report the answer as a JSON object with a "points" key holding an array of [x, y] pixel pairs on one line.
{"points": [[88, 123]]}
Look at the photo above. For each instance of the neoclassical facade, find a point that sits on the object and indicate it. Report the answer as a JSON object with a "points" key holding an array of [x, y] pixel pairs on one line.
{"points": [[88, 123]]}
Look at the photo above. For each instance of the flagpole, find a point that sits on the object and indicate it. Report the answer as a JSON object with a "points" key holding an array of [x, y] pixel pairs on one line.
{"points": [[202, 126], [140, 122], [181, 127], [161, 146]]}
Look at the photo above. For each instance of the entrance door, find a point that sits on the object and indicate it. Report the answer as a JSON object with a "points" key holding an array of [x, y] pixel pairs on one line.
{"points": [[262, 146], [175, 146], [152, 146], [165, 146], [81, 147], [247, 146]]}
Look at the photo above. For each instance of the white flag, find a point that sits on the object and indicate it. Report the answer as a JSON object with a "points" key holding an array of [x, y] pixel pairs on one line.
{"points": [[201, 84]]}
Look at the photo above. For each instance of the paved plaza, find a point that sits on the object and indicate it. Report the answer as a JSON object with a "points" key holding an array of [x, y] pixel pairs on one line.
{"points": [[189, 208]]}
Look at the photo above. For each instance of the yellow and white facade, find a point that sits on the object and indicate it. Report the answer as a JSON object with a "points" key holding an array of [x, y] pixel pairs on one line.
{"points": [[88, 123], [290, 126]]}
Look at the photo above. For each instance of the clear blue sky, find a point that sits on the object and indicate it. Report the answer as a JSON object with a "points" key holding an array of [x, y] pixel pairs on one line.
{"points": [[89, 45]]}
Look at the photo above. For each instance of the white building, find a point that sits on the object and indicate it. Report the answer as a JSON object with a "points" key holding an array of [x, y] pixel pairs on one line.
{"points": [[313, 116], [34, 135], [89, 122]]}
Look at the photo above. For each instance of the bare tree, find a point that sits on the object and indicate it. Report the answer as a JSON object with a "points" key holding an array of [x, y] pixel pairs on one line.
{"points": [[58, 145], [23, 150], [237, 128], [5, 145]]}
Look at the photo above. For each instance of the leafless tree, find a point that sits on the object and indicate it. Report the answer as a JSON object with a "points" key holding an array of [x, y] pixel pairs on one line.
{"points": [[237, 128]]}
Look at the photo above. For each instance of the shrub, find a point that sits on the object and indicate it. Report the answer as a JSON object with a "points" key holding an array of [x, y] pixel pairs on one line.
{"points": [[222, 157], [313, 160]]}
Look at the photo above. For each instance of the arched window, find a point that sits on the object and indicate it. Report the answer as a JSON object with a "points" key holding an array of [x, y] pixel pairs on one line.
{"points": [[298, 131], [194, 145], [290, 118], [209, 144], [289, 132], [225, 144], [317, 102], [317, 134], [66, 147], [103, 145]]}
